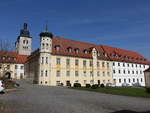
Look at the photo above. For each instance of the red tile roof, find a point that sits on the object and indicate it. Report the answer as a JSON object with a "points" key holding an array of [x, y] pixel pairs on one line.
{"points": [[12, 57], [106, 52]]}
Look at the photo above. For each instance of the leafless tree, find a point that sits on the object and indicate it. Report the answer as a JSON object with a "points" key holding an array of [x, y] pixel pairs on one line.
{"points": [[5, 45]]}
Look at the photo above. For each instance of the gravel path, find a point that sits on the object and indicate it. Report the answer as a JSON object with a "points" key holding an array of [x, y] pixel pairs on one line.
{"points": [[42, 99]]}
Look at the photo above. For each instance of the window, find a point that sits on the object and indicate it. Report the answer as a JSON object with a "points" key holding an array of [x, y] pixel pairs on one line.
{"points": [[85, 51], [22, 67], [76, 81], [140, 72], [58, 73], [129, 80], [119, 80], [68, 62], [137, 80], [57, 83], [91, 73], [8, 66], [98, 64], [41, 73], [124, 80], [43, 45], [103, 64], [108, 73], [128, 65], [45, 82], [76, 73], [47, 45], [91, 81], [42, 60], [118, 64], [107, 64], [103, 73], [41, 82], [119, 71], [46, 73], [24, 41], [84, 63], [141, 80], [84, 73], [124, 71], [69, 49], [136, 72], [114, 71], [123, 65], [132, 65], [76, 62], [84, 81], [113, 63], [16, 66], [132, 72], [91, 63], [68, 73], [46, 60], [136, 65], [58, 61], [133, 80], [57, 48], [128, 72], [77, 50], [98, 73]]}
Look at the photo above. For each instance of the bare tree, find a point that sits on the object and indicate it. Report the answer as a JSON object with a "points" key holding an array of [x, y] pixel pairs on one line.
{"points": [[5, 45]]}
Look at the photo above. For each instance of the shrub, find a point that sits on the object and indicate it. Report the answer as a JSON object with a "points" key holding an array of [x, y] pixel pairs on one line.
{"points": [[148, 89], [88, 86], [102, 85], [95, 86], [77, 85]]}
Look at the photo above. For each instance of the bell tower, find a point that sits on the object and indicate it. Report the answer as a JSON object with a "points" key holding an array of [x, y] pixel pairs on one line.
{"points": [[45, 57], [24, 41]]}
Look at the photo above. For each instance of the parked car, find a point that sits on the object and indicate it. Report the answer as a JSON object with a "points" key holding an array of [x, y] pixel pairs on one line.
{"points": [[136, 85], [110, 85], [1, 87], [125, 85]]}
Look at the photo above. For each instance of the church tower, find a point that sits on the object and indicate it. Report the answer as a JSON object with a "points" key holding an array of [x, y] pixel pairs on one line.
{"points": [[45, 57], [24, 41]]}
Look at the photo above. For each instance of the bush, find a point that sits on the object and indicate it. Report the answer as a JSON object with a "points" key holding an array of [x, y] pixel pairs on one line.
{"points": [[102, 85], [95, 86], [148, 89], [77, 85], [88, 86]]}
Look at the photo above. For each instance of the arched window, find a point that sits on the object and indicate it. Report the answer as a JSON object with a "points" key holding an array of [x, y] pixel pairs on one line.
{"points": [[24, 41], [85, 51], [46, 73], [57, 47], [69, 49], [77, 50]]}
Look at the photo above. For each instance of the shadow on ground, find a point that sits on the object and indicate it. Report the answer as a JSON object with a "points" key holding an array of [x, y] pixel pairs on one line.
{"points": [[128, 111]]}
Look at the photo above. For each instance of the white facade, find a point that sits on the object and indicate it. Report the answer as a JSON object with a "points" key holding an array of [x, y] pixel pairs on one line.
{"points": [[129, 73]]}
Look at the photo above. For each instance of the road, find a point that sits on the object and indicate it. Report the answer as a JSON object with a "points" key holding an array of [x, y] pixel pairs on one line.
{"points": [[45, 99]]}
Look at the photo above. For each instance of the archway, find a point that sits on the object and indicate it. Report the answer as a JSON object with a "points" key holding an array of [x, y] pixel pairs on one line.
{"points": [[7, 75]]}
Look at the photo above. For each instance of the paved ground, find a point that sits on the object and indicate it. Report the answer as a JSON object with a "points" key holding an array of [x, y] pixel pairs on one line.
{"points": [[39, 99]]}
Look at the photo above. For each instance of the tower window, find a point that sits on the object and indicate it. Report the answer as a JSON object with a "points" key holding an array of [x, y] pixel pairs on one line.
{"points": [[24, 41], [69, 49]]}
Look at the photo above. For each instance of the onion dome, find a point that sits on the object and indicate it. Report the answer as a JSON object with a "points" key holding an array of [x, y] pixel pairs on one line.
{"points": [[46, 33]]}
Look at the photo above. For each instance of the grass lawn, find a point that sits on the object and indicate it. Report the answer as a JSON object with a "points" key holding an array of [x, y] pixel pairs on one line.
{"points": [[135, 92]]}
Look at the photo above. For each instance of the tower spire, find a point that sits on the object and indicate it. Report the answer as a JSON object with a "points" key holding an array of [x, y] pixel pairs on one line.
{"points": [[46, 28]]}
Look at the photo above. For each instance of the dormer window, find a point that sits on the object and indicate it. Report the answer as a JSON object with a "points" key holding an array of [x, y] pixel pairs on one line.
{"points": [[57, 48], [69, 49], [85, 51], [77, 50]]}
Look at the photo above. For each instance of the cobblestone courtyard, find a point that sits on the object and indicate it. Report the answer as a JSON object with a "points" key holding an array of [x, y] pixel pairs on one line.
{"points": [[42, 99]]}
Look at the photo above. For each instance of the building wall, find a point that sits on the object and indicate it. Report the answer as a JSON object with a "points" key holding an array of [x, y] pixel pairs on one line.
{"points": [[147, 79], [76, 73], [24, 46], [130, 73], [16, 70]]}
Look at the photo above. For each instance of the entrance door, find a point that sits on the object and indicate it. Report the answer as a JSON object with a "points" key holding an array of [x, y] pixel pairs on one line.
{"points": [[7, 75], [68, 83]]}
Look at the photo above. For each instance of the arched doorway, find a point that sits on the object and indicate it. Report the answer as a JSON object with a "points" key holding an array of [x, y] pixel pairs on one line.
{"points": [[7, 75]]}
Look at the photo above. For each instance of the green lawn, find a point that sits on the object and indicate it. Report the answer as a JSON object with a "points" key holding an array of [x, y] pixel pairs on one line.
{"points": [[135, 92]]}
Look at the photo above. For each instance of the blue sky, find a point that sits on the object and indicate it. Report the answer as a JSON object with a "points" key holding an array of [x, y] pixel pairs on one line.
{"points": [[118, 23]]}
